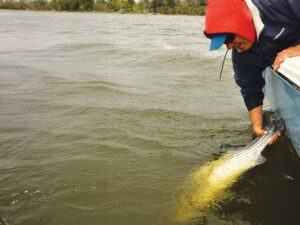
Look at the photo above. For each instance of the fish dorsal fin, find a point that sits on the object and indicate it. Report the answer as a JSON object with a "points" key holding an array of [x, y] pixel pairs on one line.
{"points": [[260, 160]]}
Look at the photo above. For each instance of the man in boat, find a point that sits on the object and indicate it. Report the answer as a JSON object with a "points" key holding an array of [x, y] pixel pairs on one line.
{"points": [[261, 33]]}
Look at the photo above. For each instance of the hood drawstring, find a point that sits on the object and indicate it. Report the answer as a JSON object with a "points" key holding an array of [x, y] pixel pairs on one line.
{"points": [[220, 76]]}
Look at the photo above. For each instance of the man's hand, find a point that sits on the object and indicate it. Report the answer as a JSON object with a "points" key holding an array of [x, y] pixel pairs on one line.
{"points": [[286, 53], [257, 123]]}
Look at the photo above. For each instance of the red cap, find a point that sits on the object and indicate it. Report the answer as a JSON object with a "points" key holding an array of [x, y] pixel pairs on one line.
{"points": [[229, 16]]}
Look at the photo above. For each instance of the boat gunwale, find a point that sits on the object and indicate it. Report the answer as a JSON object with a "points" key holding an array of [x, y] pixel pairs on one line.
{"points": [[287, 80]]}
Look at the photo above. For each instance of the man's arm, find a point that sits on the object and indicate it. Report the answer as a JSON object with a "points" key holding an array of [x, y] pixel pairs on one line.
{"points": [[256, 118], [248, 75]]}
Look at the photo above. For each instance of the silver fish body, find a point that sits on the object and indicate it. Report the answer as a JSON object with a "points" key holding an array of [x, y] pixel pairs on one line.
{"points": [[210, 183]]}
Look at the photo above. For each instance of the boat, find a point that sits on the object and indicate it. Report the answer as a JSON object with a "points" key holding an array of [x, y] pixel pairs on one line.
{"points": [[282, 91]]}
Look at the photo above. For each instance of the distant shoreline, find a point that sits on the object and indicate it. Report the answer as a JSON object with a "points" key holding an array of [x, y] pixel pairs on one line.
{"points": [[104, 7]]}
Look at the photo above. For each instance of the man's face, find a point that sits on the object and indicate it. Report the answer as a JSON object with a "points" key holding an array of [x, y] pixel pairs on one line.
{"points": [[239, 43]]}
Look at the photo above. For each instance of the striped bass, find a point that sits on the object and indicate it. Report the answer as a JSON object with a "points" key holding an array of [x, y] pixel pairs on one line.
{"points": [[210, 183]]}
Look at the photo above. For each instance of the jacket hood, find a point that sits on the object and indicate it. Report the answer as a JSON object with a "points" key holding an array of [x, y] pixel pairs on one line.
{"points": [[229, 16]]}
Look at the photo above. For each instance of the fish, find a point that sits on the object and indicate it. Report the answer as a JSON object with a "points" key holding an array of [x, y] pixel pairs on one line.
{"points": [[210, 183]]}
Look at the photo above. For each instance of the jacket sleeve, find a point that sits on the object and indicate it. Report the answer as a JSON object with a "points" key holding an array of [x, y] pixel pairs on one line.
{"points": [[248, 67], [294, 6]]}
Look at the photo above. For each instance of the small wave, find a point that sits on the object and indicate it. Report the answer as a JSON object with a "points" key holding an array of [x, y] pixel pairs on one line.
{"points": [[85, 46], [3, 221], [96, 86], [79, 207], [6, 14]]}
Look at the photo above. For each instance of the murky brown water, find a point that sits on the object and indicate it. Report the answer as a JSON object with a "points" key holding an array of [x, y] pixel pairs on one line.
{"points": [[104, 116]]}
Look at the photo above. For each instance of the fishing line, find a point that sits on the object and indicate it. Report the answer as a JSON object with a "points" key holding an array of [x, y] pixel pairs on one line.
{"points": [[220, 76]]}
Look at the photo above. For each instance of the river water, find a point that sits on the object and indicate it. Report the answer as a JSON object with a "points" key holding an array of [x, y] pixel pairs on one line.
{"points": [[103, 117]]}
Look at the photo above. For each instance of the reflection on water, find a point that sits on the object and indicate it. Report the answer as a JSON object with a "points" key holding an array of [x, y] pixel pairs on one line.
{"points": [[104, 116]]}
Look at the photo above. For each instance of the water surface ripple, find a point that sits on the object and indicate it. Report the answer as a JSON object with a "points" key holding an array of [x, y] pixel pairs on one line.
{"points": [[104, 116]]}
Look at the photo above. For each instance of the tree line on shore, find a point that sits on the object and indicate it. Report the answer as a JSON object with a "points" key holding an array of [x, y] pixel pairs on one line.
{"points": [[189, 7]]}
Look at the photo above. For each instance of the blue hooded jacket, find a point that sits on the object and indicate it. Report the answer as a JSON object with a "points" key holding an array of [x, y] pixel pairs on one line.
{"points": [[281, 19]]}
